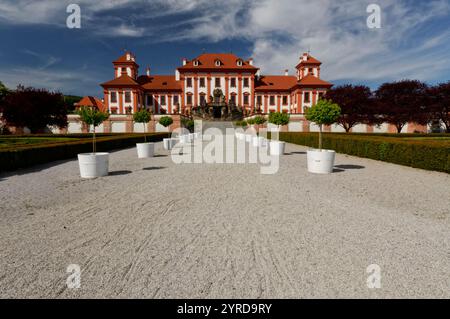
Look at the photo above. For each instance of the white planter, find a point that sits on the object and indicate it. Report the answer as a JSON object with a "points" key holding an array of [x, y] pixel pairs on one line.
{"points": [[276, 147], [259, 141], [93, 165], [145, 150], [321, 162], [248, 138], [169, 143], [240, 136], [184, 139]]}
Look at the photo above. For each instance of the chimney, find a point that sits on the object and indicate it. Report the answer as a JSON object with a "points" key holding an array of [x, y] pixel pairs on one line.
{"points": [[305, 56], [128, 56], [184, 61], [148, 71], [250, 61], [286, 72]]}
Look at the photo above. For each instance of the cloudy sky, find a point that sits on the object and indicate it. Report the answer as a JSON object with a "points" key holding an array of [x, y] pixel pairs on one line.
{"points": [[37, 49]]}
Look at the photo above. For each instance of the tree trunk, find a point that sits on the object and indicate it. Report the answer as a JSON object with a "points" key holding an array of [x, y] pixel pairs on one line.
{"points": [[93, 142], [145, 136], [320, 137], [399, 128]]}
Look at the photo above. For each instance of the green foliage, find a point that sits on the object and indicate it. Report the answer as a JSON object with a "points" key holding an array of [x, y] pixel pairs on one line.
{"points": [[241, 123], [70, 100], [324, 112], [422, 153], [165, 121], [279, 118], [142, 116], [251, 121], [24, 156], [259, 120], [92, 116], [188, 124]]}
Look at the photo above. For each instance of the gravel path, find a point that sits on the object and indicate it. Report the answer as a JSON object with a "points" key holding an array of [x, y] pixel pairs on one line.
{"points": [[155, 229]]}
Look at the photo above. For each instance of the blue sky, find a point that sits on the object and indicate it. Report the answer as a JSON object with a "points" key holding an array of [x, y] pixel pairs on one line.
{"points": [[37, 49]]}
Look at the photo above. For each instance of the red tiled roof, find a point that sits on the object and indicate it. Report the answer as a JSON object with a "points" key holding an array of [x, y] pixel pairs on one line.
{"points": [[123, 80], [309, 60], [311, 80], [123, 58], [91, 101], [275, 83], [208, 61], [159, 83]]}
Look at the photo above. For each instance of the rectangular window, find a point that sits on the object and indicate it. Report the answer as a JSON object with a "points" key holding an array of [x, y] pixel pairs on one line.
{"points": [[307, 99], [233, 99], [113, 97], [246, 82], [189, 82], [246, 99], [272, 100], [202, 82], [127, 97], [189, 99], [163, 100], [285, 100], [175, 99], [259, 100], [149, 100], [202, 99], [217, 82], [233, 82]]}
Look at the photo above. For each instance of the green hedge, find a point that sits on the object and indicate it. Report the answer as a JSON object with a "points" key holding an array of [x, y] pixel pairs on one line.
{"points": [[14, 158], [431, 155]]}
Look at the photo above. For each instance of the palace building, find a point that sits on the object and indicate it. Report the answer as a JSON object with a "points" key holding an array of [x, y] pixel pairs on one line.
{"points": [[239, 81]]}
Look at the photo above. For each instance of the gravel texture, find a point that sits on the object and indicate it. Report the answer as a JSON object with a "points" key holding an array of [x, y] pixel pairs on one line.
{"points": [[155, 229]]}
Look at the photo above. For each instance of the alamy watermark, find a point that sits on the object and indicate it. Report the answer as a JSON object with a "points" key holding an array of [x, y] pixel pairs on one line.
{"points": [[73, 21], [374, 18], [234, 146]]}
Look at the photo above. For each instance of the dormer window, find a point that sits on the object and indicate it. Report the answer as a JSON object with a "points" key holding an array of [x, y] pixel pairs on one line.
{"points": [[239, 63], [218, 63], [195, 62]]}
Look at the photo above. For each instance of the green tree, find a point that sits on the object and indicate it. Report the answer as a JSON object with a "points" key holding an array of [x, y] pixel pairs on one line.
{"points": [[142, 116], [279, 118], [165, 121], [94, 117], [324, 112]]}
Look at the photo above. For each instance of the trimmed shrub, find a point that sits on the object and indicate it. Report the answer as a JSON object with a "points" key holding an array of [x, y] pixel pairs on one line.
{"points": [[422, 153], [20, 157], [165, 121], [259, 120], [279, 118]]}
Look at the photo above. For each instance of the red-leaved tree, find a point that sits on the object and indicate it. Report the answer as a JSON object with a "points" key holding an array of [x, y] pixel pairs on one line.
{"points": [[401, 102], [439, 104], [356, 105], [35, 109]]}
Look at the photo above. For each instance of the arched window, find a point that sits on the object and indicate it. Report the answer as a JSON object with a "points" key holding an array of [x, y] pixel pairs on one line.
{"points": [[195, 62], [218, 63], [239, 62]]}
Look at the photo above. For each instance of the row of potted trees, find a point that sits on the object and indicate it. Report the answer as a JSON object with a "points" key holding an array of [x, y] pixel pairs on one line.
{"points": [[319, 161], [96, 164]]}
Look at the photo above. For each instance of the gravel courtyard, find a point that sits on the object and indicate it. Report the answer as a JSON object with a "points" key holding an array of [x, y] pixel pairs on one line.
{"points": [[155, 229]]}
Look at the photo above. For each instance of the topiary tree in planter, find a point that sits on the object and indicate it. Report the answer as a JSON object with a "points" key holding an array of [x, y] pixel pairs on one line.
{"points": [[92, 116], [324, 112], [260, 120], [165, 121], [142, 116], [279, 119]]}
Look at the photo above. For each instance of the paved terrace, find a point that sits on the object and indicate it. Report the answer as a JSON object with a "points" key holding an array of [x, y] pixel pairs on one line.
{"points": [[155, 229]]}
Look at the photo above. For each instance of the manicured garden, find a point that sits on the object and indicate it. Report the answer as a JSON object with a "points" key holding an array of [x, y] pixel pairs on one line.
{"points": [[24, 151], [426, 151]]}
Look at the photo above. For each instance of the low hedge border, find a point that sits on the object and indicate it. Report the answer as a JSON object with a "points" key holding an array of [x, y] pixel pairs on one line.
{"points": [[430, 155], [15, 158]]}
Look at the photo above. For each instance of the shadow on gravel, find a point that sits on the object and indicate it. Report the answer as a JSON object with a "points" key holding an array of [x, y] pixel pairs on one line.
{"points": [[160, 155], [338, 170], [152, 168], [349, 166], [116, 173], [291, 153]]}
